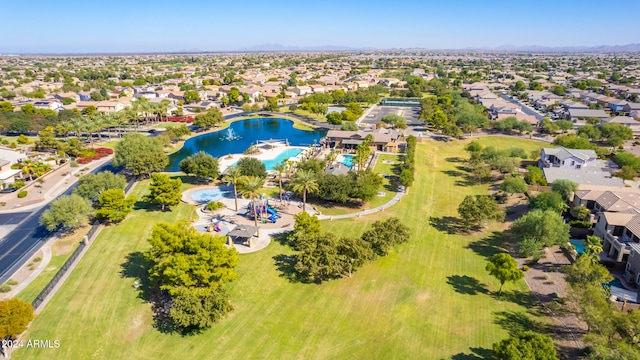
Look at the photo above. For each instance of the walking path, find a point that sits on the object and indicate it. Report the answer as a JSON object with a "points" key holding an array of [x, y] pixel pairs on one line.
{"points": [[395, 200]]}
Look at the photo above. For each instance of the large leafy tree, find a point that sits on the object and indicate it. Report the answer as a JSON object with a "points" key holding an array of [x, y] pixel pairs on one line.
{"points": [[476, 209], [304, 181], [527, 345], [164, 190], [386, 233], [90, 186], [514, 185], [565, 188], [192, 267], [139, 154], [504, 267], [114, 206], [252, 167], [201, 165], [15, 316], [67, 211], [538, 229], [616, 134], [549, 200], [212, 117], [319, 258]]}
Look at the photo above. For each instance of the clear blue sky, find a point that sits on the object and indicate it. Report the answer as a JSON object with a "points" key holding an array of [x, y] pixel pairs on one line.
{"points": [[141, 26]]}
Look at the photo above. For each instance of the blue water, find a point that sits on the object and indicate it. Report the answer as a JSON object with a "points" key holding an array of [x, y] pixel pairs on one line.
{"points": [[348, 160], [288, 153], [579, 245], [207, 195], [616, 282], [248, 131]]}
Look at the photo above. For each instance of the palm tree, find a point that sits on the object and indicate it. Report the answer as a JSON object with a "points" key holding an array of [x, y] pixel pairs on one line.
{"points": [[234, 177], [65, 128], [99, 123], [29, 167], [78, 125], [304, 181], [280, 168], [89, 126], [593, 249], [250, 187]]}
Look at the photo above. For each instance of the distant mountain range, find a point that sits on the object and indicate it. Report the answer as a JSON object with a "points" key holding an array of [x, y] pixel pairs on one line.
{"points": [[568, 49], [635, 47], [279, 47]]}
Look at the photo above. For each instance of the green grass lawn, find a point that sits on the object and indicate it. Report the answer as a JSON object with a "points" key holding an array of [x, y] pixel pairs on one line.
{"points": [[61, 251], [428, 299]]}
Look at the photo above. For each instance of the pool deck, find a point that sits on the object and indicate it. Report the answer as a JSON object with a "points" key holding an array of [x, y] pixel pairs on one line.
{"points": [[267, 152]]}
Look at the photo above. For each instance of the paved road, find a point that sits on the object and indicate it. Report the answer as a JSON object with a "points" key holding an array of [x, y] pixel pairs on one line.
{"points": [[21, 243], [27, 236], [525, 108]]}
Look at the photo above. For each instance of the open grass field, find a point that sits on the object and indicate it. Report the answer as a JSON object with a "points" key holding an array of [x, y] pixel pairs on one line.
{"points": [[429, 299], [60, 252]]}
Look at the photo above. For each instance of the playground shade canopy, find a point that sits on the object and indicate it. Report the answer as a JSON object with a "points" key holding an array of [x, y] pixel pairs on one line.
{"points": [[243, 231]]}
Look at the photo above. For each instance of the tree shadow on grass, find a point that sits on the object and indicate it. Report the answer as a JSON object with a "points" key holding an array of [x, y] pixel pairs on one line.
{"points": [[286, 265], [477, 353], [455, 159], [517, 321], [522, 298], [466, 285], [282, 238], [453, 173], [137, 267], [448, 224], [489, 245]]}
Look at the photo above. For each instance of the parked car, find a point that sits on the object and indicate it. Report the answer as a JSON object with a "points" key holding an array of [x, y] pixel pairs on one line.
{"points": [[7, 190]]}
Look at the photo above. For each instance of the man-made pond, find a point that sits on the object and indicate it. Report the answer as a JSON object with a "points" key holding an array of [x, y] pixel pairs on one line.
{"points": [[242, 134]]}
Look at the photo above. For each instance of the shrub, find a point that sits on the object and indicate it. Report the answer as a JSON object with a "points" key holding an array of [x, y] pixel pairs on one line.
{"points": [[525, 267], [4, 288], [12, 282], [214, 205], [22, 194], [73, 163], [18, 184], [37, 259], [582, 224]]}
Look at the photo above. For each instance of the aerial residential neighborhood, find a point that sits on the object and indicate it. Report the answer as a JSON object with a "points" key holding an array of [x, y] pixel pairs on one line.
{"points": [[427, 187]]}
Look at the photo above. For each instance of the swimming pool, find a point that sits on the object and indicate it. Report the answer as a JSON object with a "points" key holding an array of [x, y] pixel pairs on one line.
{"points": [[615, 282], [288, 153], [347, 160], [579, 245], [207, 195]]}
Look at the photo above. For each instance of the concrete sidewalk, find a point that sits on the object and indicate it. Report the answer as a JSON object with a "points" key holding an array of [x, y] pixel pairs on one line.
{"points": [[55, 184]]}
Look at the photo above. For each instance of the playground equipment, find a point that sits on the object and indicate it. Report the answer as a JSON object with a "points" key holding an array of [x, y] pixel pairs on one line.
{"points": [[263, 210]]}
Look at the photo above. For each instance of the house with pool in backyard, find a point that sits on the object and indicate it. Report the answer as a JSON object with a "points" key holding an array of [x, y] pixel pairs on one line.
{"points": [[616, 213]]}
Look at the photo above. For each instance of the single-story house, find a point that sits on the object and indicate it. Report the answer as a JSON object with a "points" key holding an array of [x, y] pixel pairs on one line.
{"points": [[566, 158]]}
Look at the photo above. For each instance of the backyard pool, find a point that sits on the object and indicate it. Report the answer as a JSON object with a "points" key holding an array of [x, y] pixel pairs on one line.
{"points": [[347, 160], [579, 245], [207, 195], [288, 153]]}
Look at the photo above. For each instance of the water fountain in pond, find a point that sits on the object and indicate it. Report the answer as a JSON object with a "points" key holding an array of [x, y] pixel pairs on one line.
{"points": [[231, 135]]}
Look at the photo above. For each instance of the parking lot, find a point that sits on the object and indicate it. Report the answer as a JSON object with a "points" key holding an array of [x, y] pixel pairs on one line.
{"points": [[376, 115]]}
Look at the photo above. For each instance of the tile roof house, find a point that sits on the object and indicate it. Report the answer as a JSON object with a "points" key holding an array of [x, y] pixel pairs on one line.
{"points": [[617, 222]]}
